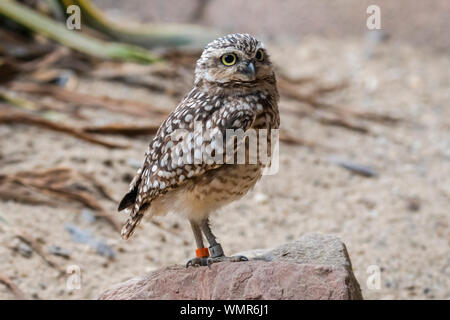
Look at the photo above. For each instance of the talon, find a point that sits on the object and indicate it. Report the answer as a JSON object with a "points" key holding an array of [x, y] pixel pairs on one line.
{"points": [[225, 258], [238, 258], [197, 262]]}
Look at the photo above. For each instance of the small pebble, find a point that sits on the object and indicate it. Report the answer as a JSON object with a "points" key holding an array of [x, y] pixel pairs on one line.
{"points": [[261, 198], [414, 204], [355, 168], [22, 248], [108, 163], [60, 252]]}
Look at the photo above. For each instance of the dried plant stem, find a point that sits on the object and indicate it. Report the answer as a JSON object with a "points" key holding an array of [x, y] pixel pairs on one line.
{"points": [[19, 294], [24, 118], [72, 39]]}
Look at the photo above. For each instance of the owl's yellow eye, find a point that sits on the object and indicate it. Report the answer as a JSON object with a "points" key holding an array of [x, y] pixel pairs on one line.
{"points": [[228, 59], [259, 55]]}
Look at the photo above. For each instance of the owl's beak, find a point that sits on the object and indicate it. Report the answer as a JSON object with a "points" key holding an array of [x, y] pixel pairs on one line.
{"points": [[251, 69]]}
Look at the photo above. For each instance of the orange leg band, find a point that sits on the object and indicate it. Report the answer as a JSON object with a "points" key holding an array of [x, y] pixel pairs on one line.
{"points": [[202, 253]]}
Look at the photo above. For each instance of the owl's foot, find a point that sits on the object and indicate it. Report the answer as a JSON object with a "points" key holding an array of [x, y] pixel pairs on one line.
{"points": [[201, 258], [198, 262], [217, 255], [206, 257], [207, 262], [225, 258]]}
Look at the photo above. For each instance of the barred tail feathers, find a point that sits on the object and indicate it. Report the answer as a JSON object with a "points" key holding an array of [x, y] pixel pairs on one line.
{"points": [[137, 213], [129, 228]]}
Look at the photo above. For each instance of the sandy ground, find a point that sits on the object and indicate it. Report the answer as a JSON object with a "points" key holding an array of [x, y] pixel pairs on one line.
{"points": [[397, 220]]}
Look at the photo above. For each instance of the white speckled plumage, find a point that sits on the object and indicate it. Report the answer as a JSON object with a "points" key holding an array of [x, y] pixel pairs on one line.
{"points": [[222, 98]]}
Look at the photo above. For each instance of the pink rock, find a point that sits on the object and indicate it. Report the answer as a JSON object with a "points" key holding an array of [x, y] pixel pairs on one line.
{"points": [[313, 267]]}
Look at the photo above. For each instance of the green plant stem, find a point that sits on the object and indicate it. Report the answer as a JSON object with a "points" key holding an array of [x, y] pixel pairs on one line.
{"points": [[72, 38]]}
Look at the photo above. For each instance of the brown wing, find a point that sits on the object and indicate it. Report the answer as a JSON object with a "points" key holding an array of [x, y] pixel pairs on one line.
{"points": [[173, 155]]}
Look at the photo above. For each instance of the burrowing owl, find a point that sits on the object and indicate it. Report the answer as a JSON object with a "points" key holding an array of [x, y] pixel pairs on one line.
{"points": [[234, 88]]}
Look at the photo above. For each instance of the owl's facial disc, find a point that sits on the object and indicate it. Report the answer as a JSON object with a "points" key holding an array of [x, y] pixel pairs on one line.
{"points": [[229, 65], [234, 58]]}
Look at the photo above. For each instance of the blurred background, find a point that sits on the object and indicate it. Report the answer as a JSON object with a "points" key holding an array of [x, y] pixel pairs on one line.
{"points": [[417, 23], [365, 137]]}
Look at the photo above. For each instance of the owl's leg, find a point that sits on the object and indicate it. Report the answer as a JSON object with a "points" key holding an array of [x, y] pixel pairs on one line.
{"points": [[202, 254], [215, 249]]}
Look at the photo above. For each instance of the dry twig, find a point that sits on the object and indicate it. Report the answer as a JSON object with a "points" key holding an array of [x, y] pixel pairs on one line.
{"points": [[101, 188], [123, 129], [344, 123], [343, 114], [28, 239], [116, 105], [25, 118], [19, 294], [293, 140], [61, 182]]}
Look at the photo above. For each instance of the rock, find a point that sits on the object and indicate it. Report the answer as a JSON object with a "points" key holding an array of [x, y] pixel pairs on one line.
{"points": [[312, 267]]}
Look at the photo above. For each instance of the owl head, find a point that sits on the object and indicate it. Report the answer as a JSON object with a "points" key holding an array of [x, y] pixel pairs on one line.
{"points": [[235, 58]]}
